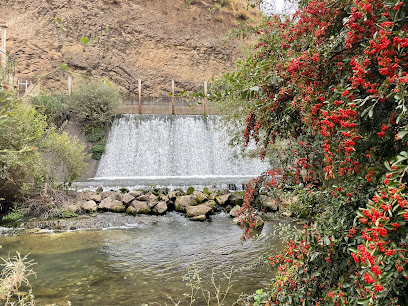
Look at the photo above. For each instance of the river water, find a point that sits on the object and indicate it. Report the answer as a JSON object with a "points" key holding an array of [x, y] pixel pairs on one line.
{"points": [[142, 261]]}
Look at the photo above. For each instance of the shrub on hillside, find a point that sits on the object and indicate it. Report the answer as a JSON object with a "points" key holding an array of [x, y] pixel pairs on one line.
{"points": [[94, 101], [54, 106]]}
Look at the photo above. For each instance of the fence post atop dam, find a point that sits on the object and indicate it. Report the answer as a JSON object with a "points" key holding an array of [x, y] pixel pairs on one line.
{"points": [[69, 86], [205, 99], [173, 106], [139, 86], [3, 27]]}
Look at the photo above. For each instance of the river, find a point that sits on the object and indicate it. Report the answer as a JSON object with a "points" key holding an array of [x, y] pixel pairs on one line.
{"points": [[142, 260]]}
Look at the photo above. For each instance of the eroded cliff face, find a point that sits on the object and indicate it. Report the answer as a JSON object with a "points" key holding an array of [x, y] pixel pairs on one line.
{"points": [[152, 40]]}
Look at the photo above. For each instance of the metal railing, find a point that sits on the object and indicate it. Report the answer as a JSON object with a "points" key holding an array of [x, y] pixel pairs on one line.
{"points": [[7, 67]]}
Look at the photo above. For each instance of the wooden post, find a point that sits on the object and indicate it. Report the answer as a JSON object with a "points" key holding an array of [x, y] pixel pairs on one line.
{"points": [[3, 44], [173, 106], [205, 99], [69, 86], [139, 86]]}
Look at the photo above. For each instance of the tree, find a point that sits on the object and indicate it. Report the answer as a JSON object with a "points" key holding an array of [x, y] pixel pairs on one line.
{"points": [[28, 147], [329, 86]]}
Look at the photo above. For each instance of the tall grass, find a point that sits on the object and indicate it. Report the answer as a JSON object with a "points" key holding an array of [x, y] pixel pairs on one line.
{"points": [[14, 275]]}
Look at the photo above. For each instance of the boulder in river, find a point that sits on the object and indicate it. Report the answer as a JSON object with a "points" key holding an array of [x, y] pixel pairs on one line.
{"points": [[202, 209], [183, 201], [148, 197], [234, 212], [136, 193], [116, 195], [236, 198], [174, 194], [198, 218], [270, 204], [200, 196], [127, 198], [89, 206], [99, 189], [138, 207], [160, 208], [222, 199], [112, 204], [95, 197], [259, 223], [152, 204], [211, 203]]}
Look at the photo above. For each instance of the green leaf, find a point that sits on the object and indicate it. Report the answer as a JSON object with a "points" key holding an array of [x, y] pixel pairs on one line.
{"points": [[401, 134]]}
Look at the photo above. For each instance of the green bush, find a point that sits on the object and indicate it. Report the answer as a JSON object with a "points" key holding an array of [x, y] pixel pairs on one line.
{"points": [[13, 216], [95, 101], [28, 148], [95, 133], [54, 106], [97, 151]]}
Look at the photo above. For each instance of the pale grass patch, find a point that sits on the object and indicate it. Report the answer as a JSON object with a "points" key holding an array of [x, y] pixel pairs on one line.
{"points": [[14, 274]]}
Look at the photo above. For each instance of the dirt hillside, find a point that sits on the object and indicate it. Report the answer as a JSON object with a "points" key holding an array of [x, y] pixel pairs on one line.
{"points": [[122, 40]]}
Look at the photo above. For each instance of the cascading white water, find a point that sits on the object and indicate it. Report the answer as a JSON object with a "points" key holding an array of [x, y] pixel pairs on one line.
{"points": [[174, 150]]}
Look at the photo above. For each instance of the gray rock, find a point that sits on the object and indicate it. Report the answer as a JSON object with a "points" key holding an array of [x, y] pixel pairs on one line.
{"points": [[153, 198], [259, 223], [198, 218], [234, 212], [138, 207], [72, 207], [95, 197], [148, 197], [136, 193], [113, 194], [164, 198], [194, 211], [222, 199], [112, 204], [183, 201], [211, 203], [237, 198], [99, 189], [160, 208], [213, 195], [86, 195], [174, 194], [201, 197], [271, 204], [152, 204], [127, 198], [89, 206]]}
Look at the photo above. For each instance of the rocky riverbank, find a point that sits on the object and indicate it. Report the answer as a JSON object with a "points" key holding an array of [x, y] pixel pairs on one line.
{"points": [[56, 210], [196, 205]]}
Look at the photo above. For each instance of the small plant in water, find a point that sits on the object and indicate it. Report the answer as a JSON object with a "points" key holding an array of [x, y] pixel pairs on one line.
{"points": [[196, 287], [14, 274]]}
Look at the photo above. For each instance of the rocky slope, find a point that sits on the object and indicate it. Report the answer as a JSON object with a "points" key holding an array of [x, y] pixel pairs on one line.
{"points": [[121, 40]]}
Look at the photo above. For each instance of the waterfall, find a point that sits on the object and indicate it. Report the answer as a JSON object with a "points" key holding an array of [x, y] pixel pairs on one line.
{"points": [[172, 150]]}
